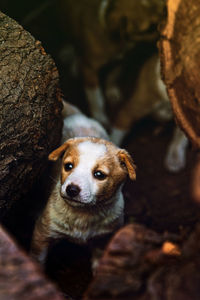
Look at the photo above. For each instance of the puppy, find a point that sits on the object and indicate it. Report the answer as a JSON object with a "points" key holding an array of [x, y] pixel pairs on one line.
{"points": [[148, 97], [86, 201], [103, 30]]}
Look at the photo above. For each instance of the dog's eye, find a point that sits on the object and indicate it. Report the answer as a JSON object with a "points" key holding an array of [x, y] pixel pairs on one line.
{"points": [[122, 164], [68, 166], [99, 175]]}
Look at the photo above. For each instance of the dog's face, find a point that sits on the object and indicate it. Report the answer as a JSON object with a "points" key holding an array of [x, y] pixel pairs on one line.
{"points": [[134, 20], [92, 171]]}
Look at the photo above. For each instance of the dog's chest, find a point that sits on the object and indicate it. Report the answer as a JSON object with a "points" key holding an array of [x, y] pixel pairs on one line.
{"points": [[83, 226]]}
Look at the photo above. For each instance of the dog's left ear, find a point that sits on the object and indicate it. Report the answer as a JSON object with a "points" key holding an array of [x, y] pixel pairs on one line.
{"points": [[126, 160], [58, 152]]}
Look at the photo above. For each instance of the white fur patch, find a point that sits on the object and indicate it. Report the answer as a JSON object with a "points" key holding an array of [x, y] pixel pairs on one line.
{"points": [[176, 154], [102, 12], [160, 84], [94, 149], [82, 175], [96, 104], [78, 124]]}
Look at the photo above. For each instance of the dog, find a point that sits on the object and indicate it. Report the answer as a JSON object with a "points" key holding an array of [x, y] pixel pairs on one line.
{"points": [[86, 201], [104, 30], [149, 97]]}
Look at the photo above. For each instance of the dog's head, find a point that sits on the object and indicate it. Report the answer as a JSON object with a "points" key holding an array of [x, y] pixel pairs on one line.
{"points": [[93, 170], [132, 21]]}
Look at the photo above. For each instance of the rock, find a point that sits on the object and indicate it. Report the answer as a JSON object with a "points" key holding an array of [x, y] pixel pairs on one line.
{"points": [[20, 277], [132, 255]]}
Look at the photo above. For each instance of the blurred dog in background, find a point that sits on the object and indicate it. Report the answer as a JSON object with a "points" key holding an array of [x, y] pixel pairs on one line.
{"points": [[148, 97], [103, 31]]}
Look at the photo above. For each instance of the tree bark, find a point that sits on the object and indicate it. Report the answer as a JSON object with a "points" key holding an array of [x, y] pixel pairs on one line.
{"points": [[180, 53], [30, 110]]}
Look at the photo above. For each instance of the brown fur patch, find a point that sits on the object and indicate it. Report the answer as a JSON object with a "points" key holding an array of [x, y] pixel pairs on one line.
{"points": [[71, 156], [116, 171], [58, 152]]}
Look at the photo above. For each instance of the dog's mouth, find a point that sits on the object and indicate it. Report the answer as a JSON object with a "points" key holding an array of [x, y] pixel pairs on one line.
{"points": [[75, 202], [71, 199]]}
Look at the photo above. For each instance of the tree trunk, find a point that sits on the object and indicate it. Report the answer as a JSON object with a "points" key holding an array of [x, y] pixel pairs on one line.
{"points": [[30, 110], [180, 59]]}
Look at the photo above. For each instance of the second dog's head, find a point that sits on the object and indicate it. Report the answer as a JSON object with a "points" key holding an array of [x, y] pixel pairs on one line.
{"points": [[92, 171]]}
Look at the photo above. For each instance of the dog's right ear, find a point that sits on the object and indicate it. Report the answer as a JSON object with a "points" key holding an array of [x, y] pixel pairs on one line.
{"points": [[53, 156]]}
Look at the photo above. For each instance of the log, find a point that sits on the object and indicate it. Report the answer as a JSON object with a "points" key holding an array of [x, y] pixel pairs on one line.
{"points": [[180, 52], [21, 278], [30, 110]]}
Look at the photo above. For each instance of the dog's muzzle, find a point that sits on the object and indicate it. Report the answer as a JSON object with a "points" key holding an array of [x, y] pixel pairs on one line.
{"points": [[75, 194]]}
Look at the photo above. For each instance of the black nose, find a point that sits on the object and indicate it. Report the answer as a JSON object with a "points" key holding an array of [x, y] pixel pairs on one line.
{"points": [[72, 190]]}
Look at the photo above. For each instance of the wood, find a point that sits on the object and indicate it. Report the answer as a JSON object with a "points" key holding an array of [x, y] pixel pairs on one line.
{"points": [[180, 53], [30, 110]]}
